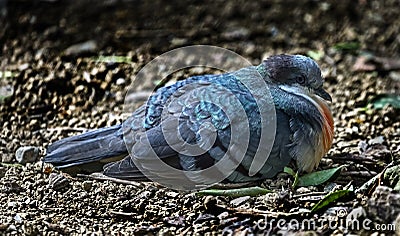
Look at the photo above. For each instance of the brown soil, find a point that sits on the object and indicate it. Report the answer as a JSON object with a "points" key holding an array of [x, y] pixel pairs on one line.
{"points": [[50, 91]]}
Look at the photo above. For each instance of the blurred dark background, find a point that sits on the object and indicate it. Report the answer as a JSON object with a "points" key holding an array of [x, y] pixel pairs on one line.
{"points": [[247, 27]]}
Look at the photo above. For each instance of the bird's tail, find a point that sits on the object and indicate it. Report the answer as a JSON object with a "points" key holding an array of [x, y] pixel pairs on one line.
{"points": [[87, 152]]}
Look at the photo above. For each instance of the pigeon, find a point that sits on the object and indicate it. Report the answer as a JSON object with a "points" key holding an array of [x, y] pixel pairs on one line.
{"points": [[236, 127]]}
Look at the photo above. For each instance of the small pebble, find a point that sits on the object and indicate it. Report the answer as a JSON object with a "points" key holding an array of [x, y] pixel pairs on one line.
{"points": [[80, 48], [120, 81], [87, 185], [58, 181], [302, 190], [7, 158], [3, 171], [239, 201], [377, 140], [27, 154], [172, 194], [12, 228], [18, 219]]}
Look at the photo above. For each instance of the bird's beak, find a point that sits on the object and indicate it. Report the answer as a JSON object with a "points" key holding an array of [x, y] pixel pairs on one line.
{"points": [[323, 94]]}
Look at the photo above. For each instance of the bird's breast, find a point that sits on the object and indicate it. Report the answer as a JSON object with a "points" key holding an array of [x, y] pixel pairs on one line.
{"points": [[327, 124]]}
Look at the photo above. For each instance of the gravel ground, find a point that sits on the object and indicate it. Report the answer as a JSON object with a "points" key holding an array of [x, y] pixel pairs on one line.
{"points": [[53, 86]]}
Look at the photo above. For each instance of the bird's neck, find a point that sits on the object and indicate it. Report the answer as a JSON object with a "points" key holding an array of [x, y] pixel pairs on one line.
{"points": [[327, 126]]}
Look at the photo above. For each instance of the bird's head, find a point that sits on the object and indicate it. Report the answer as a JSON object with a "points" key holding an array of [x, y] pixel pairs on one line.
{"points": [[301, 77], [296, 74]]}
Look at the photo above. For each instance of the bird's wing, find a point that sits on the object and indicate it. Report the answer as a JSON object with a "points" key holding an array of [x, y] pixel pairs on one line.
{"points": [[203, 113]]}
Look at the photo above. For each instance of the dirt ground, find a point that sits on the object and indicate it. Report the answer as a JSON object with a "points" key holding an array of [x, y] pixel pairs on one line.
{"points": [[53, 86]]}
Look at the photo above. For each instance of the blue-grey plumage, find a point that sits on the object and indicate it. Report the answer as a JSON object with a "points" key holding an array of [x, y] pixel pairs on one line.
{"points": [[199, 107]]}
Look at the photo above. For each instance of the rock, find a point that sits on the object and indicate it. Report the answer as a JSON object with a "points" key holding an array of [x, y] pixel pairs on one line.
{"points": [[239, 201], [11, 228], [18, 219], [30, 229], [23, 66], [58, 181], [120, 81], [72, 122], [179, 41], [3, 171], [27, 154], [204, 217], [362, 146], [384, 204], [302, 190], [172, 194], [7, 158], [87, 185], [3, 226], [223, 215], [6, 91], [394, 75], [376, 140], [236, 33], [81, 48]]}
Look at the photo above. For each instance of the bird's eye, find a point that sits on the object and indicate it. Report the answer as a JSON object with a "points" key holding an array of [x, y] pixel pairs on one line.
{"points": [[300, 79]]}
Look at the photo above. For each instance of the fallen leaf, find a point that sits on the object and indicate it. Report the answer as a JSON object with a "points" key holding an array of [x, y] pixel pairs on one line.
{"points": [[331, 198], [392, 175], [316, 55], [319, 177], [382, 100], [289, 171], [347, 46]]}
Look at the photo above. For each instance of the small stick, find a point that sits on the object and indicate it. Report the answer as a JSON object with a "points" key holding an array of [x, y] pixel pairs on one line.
{"points": [[124, 214], [101, 177], [309, 194], [360, 173]]}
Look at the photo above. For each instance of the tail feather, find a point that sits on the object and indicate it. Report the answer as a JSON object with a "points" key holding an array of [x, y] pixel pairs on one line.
{"points": [[91, 149], [124, 169]]}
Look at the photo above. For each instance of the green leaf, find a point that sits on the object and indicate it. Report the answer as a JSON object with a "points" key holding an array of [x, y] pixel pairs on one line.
{"points": [[316, 55], [382, 100], [240, 192], [331, 198], [157, 82], [347, 46], [392, 175], [17, 165], [7, 74], [319, 177], [289, 171]]}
